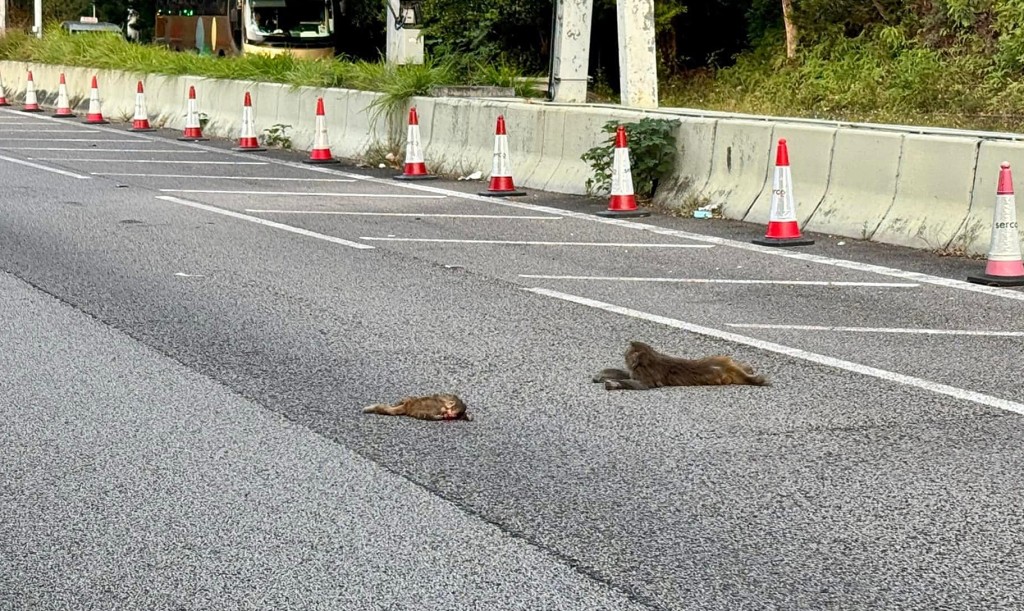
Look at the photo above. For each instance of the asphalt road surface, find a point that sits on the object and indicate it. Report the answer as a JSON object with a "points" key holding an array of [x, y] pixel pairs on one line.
{"points": [[189, 335]]}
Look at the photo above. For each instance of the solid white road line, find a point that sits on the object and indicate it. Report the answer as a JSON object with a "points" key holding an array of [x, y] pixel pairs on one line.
{"points": [[882, 330], [416, 214], [302, 193], [167, 161], [285, 178], [45, 168], [106, 140], [259, 221], [725, 281], [81, 149], [4, 130], [537, 243], [890, 376]]}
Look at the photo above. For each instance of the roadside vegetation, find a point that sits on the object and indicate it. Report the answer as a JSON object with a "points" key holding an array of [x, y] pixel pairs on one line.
{"points": [[947, 63]]}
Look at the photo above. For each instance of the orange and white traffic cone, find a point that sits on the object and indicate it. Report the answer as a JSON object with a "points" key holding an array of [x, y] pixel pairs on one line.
{"points": [[501, 165], [95, 115], [415, 167], [623, 201], [63, 105], [247, 140], [3, 94], [321, 152], [193, 129], [1004, 267], [783, 228], [31, 103], [140, 121]]}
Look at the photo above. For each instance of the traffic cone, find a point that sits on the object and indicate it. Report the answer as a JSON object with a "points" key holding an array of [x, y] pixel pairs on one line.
{"points": [[193, 130], [321, 152], [783, 229], [95, 115], [63, 105], [247, 140], [3, 94], [623, 200], [1004, 267], [140, 121], [501, 165], [415, 168], [31, 103]]}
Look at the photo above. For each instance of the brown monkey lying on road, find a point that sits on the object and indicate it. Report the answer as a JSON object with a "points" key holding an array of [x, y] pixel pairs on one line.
{"points": [[442, 406], [649, 368]]}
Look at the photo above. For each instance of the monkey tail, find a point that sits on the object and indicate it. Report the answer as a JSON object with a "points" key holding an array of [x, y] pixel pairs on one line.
{"points": [[757, 380], [381, 408]]}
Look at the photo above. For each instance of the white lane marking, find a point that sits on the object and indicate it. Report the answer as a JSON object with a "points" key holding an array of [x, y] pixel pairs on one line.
{"points": [[168, 161], [4, 130], [107, 140], [538, 243], [961, 285], [828, 361], [725, 281], [287, 178], [259, 221], [99, 150], [302, 193], [45, 168], [881, 330], [416, 214]]}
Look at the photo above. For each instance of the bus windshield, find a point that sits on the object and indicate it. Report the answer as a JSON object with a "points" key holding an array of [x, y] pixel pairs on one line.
{"points": [[290, 18]]}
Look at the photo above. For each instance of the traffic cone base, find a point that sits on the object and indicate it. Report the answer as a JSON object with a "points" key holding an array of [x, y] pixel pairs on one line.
{"points": [[141, 127], [248, 144], [193, 131], [501, 186], [783, 228], [1004, 267], [415, 166], [192, 134], [623, 206]]}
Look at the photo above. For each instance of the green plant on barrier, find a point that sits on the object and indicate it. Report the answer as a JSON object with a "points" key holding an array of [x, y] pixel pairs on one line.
{"points": [[275, 136], [652, 152]]}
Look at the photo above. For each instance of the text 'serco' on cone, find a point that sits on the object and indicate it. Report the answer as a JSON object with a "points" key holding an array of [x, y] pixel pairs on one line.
{"points": [[501, 182], [95, 114], [63, 110], [321, 152], [140, 120], [783, 228], [31, 102], [415, 164], [622, 202], [193, 131], [1004, 267], [247, 139]]}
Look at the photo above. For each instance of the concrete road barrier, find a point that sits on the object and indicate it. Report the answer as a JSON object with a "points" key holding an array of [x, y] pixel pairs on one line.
{"points": [[695, 143], [810, 163], [933, 192], [741, 159], [861, 186]]}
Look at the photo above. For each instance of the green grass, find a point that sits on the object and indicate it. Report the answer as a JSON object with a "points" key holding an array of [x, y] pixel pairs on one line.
{"points": [[110, 51], [866, 79]]}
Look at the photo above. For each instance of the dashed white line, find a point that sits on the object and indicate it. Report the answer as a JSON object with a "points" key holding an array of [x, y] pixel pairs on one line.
{"points": [[282, 178], [724, 281], [880, 330], [828, 361], [167, 161], [538, 243], [98, 150], [259, 221], [415, 214], [303, 193], [105, 140], [39, 166]]}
